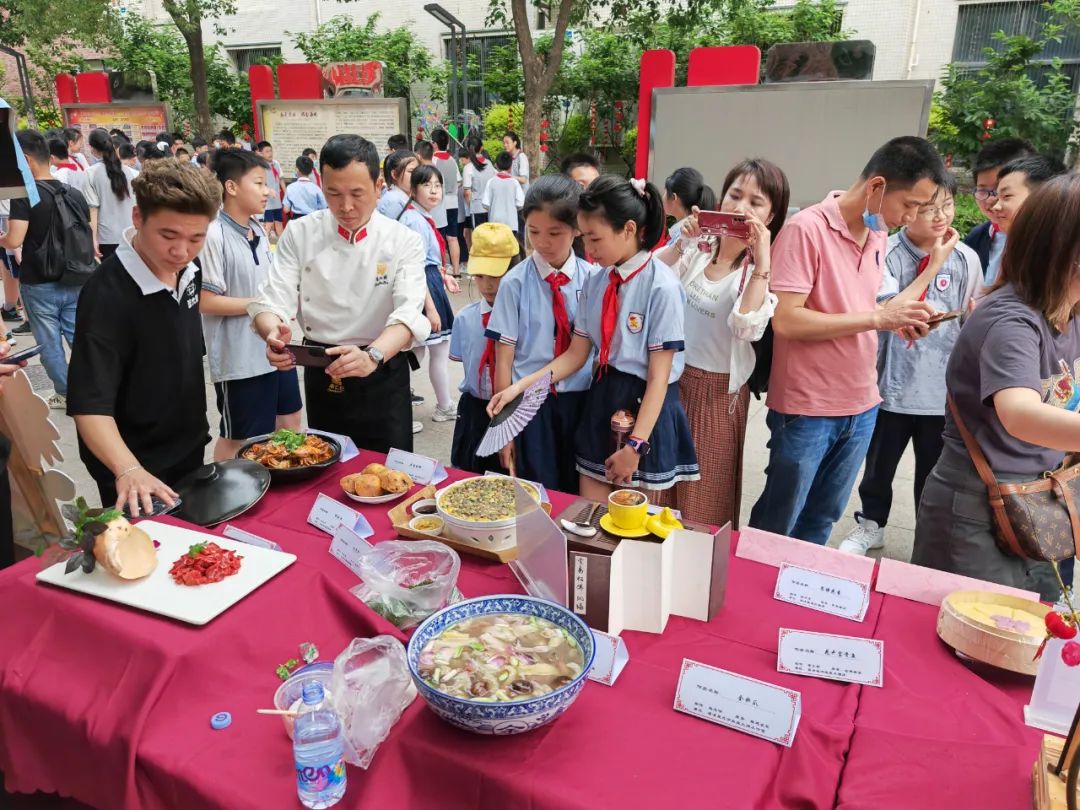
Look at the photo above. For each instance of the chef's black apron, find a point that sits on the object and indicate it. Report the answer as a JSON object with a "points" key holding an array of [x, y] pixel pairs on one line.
{"points": [[374, 411]]}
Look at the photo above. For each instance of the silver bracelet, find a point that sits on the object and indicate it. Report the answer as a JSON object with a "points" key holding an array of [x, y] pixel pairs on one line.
{"points": [[128, 471]]}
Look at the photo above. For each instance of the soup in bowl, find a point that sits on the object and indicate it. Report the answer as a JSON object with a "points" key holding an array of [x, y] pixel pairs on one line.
{"points": [[501, 664]]}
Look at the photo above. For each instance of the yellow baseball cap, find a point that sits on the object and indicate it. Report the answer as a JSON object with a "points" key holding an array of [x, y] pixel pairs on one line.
{"points": [[493, 246]]}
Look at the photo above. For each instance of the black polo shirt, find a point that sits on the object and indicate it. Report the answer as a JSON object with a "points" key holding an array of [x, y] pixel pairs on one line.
{"points": [[138, 358]]}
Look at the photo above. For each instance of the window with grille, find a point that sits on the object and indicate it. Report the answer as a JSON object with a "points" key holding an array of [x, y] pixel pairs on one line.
{"points": [[245, 57], [479, 50]]}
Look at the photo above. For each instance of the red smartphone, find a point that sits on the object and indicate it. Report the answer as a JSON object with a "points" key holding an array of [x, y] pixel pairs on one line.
{"points": [[310, 356], [719, 223]]}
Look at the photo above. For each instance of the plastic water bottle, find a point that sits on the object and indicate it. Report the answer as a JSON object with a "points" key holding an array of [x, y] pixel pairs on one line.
{"points": [[317, 750]]}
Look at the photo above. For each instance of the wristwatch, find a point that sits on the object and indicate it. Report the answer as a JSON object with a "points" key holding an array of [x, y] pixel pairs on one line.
{"points": [[375, 355], [641, 447]]}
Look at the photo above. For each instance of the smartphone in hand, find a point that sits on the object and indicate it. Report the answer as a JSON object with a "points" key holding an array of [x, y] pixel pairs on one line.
{"points": [[310, 356], [720, 223]]}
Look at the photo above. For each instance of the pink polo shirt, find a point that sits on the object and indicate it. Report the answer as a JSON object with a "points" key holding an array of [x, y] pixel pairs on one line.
{"points": [[816, 254]]}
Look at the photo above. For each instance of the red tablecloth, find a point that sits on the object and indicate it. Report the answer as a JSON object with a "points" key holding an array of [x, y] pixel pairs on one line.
{"points": [[112, 706]]}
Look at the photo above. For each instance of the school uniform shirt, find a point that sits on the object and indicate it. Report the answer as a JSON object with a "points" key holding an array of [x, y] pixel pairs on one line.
{"points": [[71, 174], [303, 197], [273, 182], [652, 307], [451, 179], [523, 316], [345, 289], [416, 220], [476, 180], [502, 198], [675, 231], [911, 376], [718, 335], [993, 264], [520, 168], [114, 214], [467, 344], [137, 357], [84, 164], [235, 266], [392, 202]]}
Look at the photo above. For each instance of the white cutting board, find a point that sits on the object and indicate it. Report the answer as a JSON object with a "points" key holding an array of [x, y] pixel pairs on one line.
{"points": [[157, 593]]}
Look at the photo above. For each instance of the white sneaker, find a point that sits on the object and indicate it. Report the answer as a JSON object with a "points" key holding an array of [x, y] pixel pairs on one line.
{"points": [[417, 427], [865, 536], [58, 402], [447, 415]]}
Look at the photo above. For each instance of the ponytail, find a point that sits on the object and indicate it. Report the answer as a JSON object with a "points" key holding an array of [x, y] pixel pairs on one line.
{"points": [[474, 147], [689, 186], [620, 201], [101, 141]]}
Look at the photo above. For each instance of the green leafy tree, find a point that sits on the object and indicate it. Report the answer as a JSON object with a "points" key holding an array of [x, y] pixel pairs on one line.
{"points": [[188, 17], [407, 61], [1009, 92]]}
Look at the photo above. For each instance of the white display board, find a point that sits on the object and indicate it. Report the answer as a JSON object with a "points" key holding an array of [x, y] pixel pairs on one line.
{"points": [[293, 126], [820, 133]]}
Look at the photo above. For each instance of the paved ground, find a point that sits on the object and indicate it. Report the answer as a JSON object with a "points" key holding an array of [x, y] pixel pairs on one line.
{"points": [[436, 438]]}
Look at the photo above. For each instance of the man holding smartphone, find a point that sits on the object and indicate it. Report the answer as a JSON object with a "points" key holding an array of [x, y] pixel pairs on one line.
{"points": [[354, 281]]}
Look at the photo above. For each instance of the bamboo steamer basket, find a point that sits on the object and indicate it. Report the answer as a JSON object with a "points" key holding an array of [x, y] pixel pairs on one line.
{"points": [[1006, 643]]}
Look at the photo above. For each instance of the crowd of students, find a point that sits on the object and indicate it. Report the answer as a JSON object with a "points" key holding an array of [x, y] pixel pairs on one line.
{"points": [[859, 338]]}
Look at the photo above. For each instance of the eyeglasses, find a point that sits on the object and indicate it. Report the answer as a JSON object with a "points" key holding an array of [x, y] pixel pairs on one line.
{"points": [[932, 212], [981, 194]]}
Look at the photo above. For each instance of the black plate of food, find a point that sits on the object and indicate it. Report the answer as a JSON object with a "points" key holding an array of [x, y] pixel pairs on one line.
{"points": [[292, 456]]}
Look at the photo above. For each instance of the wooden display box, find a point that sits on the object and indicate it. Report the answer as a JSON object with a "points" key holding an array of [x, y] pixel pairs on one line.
{"points": [[621, 584], [1048, 786], [400, 517]]}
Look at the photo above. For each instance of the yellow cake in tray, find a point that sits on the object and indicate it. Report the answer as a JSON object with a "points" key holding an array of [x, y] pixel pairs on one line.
{"points": [[994, 628]]}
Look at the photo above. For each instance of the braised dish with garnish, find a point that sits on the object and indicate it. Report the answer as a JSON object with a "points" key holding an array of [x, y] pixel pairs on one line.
{"points": [[485, 499], [286, 449]]}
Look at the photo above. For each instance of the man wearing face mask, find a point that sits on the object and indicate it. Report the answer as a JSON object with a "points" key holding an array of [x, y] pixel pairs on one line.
{"points": [[823, 394]]}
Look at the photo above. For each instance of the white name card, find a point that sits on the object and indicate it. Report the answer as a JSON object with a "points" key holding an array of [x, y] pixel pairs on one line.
{"points": [[327, 514], [744, 704], [836, 658], [349, 547], [826, 593], [611, 658], [422, 469], [247, 537]]}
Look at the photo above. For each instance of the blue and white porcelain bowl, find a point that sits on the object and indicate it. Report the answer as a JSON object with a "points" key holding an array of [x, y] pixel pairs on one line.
{"points": [[511, 717]]}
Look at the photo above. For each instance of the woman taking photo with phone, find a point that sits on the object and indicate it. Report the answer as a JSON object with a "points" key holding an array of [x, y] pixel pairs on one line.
{"points": [[728, 307], [1014, 379]]}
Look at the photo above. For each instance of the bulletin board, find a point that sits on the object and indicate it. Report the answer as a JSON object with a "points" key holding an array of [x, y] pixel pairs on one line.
{"points": [[820, 133], [293, 126], [140, 122]]}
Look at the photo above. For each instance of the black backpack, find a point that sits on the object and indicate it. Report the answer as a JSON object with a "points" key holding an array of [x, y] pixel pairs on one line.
{"points": [[763, 351], [68, 247]]}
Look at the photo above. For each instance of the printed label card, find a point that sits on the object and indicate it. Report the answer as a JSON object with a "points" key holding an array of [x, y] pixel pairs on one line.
{"points": [[327, 514], [836, 658], [611, 658], [825, 593], [422, 469]]}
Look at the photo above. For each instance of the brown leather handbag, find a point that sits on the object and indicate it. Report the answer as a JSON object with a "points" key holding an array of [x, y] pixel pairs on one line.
{"points": [[1036, 519]]}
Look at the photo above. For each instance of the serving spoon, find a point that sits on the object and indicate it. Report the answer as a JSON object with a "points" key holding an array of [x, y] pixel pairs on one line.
{"points": [[582, 528]]}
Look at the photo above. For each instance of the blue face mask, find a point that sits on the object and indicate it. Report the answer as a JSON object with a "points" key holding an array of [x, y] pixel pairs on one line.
{"points": [[874, 222]]}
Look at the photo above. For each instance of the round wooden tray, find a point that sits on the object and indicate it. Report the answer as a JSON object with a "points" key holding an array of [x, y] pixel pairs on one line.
{"points": [[1005, 639]]}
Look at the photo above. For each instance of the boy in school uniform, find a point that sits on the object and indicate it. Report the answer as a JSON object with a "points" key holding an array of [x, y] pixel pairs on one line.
{"points": [[494, 249], [503, 195], [354, 281], [988, 239], [448, 167], [303, 197], [135, 382], [924, 262], [273, 219], [253, 398], [314, 157]]}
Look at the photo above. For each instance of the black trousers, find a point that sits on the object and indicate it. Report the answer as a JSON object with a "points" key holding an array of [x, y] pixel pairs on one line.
{"points": [[7, 528], [374, 411], [169, 476], [892, 432]]}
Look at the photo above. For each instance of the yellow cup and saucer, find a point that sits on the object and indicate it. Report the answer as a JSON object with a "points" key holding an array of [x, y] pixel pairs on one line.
{"points": [[627, 513]]}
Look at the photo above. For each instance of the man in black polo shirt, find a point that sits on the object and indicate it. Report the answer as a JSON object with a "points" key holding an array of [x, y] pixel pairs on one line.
{"points": [[135, 383]]}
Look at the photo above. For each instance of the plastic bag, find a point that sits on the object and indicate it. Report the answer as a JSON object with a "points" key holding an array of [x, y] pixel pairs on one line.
{"points": [[405, 581], [371, 687]]}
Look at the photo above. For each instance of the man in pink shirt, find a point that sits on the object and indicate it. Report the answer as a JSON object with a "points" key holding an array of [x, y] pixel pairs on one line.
{"points": [[823, 396]]}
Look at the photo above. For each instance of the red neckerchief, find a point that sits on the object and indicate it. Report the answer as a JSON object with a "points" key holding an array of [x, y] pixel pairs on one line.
{"points": [[925, 260], [481, 159], [352, 238], [435, 230], [504, 175], [441, 155], [72, 165], [556, 280], [487, 358], [610, 313], [994, 231], [318, 177]]}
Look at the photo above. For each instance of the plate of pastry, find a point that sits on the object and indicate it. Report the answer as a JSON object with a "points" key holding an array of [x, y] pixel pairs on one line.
{"points": [[376, 484]]}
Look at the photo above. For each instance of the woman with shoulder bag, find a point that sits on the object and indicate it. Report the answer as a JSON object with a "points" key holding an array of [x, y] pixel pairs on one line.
{"points": [[1001, 503]]}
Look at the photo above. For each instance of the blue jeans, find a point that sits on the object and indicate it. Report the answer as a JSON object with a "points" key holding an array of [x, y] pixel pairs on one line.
{"points": [[50, 308], [813, 464]]}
